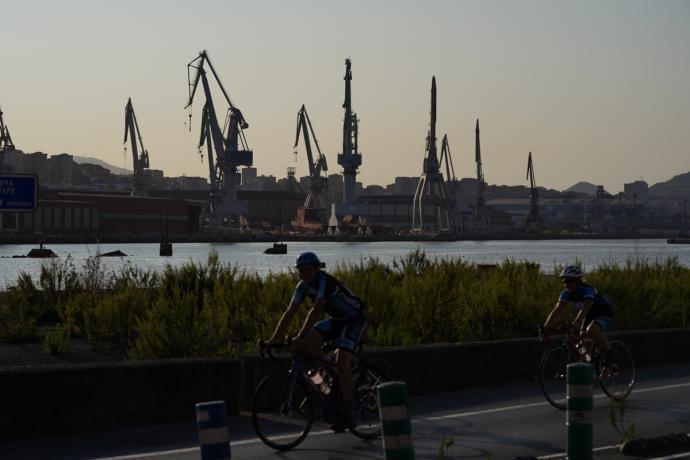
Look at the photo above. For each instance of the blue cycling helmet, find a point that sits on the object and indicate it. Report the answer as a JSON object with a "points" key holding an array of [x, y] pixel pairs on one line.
{"points": [[308, 258], [571, 271]]}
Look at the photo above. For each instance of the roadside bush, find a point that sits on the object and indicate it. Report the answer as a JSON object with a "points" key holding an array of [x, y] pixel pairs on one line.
{"points": [[176, 326], [21, 309], [57, 340], [110, 324]]}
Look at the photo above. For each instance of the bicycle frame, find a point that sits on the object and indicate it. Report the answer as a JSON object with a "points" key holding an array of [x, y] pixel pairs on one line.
{"points": [[572, 338], [298, 371]]}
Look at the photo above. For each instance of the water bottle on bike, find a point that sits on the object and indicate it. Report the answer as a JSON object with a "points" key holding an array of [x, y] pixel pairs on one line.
{"points": [[320, 379]]}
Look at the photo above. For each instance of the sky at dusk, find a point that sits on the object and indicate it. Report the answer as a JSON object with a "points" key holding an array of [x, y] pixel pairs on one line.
{"points": [[598, 91]]}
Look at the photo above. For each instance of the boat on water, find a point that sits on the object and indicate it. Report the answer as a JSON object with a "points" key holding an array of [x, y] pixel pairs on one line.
{"points": [[277, 248], [679, 240], [38, 253]]}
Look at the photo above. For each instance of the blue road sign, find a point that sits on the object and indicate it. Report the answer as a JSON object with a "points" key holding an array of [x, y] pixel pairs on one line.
{"points": [[18, 193]]}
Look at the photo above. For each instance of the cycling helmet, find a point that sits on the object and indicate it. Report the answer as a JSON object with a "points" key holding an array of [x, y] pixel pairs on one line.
{"points": [[308, 258], [571, 271]]}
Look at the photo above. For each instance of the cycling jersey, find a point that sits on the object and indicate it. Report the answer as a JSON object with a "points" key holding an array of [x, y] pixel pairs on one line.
{"points": [[340, 302], [601, 308]]}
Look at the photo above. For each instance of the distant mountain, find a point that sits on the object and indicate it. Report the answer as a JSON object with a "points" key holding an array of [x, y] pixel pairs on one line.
{"points": [[96, 161], [583, 187], [676, 187]]}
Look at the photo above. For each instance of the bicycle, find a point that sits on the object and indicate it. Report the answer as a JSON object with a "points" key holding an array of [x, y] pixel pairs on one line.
{"points": [[286, 404], [616, 377]]}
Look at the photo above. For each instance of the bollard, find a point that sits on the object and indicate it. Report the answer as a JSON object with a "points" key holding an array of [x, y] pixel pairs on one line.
{"points": [[395, 421], [213, 430], [579, 414]]}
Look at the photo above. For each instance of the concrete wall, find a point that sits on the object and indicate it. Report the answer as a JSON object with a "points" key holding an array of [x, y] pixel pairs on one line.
{"points": [[67, 398], [81, 397]]}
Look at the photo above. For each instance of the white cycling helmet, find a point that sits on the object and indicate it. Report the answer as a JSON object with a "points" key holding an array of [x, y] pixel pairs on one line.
{"points": [[571, 271]]}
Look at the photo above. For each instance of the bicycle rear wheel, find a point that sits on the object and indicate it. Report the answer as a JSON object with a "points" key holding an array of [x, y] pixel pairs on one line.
{"points": [[366, 405], [617, 378], [553, 372], [282, 410]]}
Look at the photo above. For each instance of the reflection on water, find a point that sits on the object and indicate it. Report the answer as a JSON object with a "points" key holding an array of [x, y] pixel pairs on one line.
{"points": [[250, 255]]}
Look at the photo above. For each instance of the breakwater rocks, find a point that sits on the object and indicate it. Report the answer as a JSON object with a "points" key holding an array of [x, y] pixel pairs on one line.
{"points": [[68, 398]]}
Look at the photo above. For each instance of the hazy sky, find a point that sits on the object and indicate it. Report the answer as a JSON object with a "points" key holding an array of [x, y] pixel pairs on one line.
{"points": [[598, 91]]}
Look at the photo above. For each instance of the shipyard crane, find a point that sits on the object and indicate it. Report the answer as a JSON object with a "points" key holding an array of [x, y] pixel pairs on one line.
{"points": [[481, 214], [534, 220], [451, 183], [140, 161], [350, 158], [448, 160], [205, 139], [431, 190], [316, 203], [5, 138], [228, 144]]}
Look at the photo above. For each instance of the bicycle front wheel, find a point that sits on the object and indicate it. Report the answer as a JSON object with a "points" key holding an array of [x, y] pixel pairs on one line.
{"points": [[617, 374], [553, 373], [282, 410], [366, 379]]}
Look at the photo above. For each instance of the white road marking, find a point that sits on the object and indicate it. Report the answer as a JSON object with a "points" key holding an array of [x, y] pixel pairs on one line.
{"points": [[414, 420], [543, 403], [681, 455], [562, 454]]}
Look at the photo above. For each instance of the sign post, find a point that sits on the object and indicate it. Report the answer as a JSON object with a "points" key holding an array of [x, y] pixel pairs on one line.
{"points": [[18, 193]]}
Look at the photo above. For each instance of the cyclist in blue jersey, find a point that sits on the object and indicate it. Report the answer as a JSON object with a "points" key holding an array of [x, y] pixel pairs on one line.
{"points": [[344, 324], [595, 312]]}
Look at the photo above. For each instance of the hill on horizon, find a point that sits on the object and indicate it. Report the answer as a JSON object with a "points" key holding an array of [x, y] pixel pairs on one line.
{"points": [[676, 187], [583, 187], [106, 165]]}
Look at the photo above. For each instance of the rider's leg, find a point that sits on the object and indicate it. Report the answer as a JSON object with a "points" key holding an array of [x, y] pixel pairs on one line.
{"points": [[343, 363], [312, 345], [596, 332]]}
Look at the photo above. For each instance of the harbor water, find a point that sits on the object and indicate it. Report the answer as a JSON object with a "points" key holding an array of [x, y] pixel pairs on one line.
{"points": [[250, 256]]}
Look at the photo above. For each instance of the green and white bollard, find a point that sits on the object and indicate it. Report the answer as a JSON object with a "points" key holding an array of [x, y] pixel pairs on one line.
{"points": [[579, 414], [395, 421]]}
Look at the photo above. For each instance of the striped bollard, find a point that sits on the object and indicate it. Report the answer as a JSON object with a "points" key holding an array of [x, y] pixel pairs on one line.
{"points": [[395, 421], [213, 430], [579, 414]]}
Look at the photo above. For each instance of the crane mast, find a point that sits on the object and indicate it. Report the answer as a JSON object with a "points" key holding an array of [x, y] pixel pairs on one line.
{"points": [[5, 138], [481, 213], [140, 162], [454, 217], [316, 203], [431, 194], [350, 159], [534, 220], [229, 146]]}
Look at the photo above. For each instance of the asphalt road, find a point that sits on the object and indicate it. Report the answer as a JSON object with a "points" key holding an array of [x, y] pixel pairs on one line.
{"points": [[491, 422]]}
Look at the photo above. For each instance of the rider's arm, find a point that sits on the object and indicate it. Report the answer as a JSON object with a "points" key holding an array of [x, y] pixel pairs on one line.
{"points": [[285, 320], [556, 314], [315, 313]]}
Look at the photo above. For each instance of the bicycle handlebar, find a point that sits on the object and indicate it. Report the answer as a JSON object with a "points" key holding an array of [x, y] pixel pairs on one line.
{"points": [[266, 349], [544, 332]]}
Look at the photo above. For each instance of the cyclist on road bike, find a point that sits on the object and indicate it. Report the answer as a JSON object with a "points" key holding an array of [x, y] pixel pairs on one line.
{"points": [[344, 325], [595, 312]]}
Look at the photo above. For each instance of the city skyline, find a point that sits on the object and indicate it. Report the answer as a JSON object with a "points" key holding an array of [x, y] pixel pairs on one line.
{"points": [[596, 92]]}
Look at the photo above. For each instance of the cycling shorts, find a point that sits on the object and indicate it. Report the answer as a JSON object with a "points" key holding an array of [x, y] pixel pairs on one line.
{"points": [[346, 333]]}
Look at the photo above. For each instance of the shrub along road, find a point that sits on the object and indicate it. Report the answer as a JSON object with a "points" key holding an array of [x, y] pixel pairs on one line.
{"points": [[488, 422]]}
